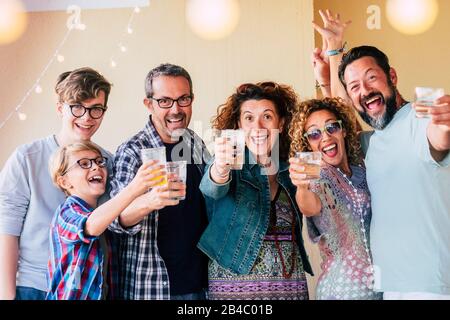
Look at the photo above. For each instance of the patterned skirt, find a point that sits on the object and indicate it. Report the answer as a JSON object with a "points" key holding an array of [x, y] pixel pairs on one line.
{"points": [[265, 280]]}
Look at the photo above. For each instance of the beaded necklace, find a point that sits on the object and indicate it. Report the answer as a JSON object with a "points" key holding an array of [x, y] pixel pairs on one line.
{"points": [[358, 198]]}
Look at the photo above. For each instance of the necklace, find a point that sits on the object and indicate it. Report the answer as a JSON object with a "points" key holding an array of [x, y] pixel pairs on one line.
{"points": [[357, 199]]}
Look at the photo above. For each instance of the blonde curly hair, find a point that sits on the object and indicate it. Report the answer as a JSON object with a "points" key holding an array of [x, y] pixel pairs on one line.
{"points": [[342, 112]]}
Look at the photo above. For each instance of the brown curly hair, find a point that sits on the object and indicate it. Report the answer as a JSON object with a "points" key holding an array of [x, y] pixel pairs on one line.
{"points": [[342, 112], [283, 97]]}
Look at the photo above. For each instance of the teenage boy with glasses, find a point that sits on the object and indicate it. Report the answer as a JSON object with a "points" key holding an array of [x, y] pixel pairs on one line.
{"points": [[28, 198], [159, 258]]}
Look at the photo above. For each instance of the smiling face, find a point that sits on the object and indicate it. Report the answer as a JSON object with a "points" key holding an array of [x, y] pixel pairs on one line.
{"points": [[82, 128], [332, 146], [373, 94], [260, 121], [167, 121], [88, 184]]}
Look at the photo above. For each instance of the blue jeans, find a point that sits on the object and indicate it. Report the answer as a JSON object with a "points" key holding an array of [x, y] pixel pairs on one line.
{"points": [[201, 295], [27, 293]]}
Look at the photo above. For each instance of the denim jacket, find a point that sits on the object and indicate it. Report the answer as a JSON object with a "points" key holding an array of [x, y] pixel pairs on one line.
{"points": [[238, 213]]}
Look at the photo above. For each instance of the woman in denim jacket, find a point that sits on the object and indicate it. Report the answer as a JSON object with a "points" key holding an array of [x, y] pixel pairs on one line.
{"points": [[254, 236]]}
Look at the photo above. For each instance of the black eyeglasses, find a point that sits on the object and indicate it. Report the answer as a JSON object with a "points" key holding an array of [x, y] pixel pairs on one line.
{"points": [[167, 103], [95, 112], [86, 163], [330, 128]]}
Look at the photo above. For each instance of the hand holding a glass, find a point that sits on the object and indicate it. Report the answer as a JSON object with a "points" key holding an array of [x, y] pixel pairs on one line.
{"points": [[228, 152], [149, 175], [426, 99], [304, 168], [440, 113], [177, 172]]}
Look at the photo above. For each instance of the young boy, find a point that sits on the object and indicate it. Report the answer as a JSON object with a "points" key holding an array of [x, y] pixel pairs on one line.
{"points": [[79, 253], [28, 197]]}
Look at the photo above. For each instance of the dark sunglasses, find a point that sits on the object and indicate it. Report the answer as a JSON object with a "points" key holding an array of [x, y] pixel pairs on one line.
{"points": [[331, 128]]}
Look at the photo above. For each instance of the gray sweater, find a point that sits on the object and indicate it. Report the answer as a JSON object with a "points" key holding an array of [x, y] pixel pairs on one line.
{"points": [[28, 200]]}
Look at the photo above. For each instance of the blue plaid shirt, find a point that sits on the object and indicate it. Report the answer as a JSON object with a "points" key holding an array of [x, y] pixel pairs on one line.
{"points": [[75, 268], [143, 274]]}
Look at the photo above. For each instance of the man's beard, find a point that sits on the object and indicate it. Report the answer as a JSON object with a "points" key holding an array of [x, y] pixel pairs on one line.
{"points": [[382, 121]]}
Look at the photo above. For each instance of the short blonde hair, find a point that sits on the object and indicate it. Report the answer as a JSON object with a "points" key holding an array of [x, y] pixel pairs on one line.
{"points": [[59, 161]]}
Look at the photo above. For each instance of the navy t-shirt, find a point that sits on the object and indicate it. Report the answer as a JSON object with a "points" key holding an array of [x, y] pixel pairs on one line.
{"points": [[180, 228]]}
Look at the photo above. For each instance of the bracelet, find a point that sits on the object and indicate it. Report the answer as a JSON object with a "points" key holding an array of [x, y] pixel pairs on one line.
{"points": [[336, 51], [318, 85], [222, 176]]}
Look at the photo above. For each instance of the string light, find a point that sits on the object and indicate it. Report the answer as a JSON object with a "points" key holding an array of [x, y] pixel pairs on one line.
{"points": [[129, 31], [71, 25], [22, 116]]}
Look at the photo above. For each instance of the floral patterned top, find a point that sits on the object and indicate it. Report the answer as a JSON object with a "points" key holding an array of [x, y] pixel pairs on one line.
{"points": [[342, 233]]}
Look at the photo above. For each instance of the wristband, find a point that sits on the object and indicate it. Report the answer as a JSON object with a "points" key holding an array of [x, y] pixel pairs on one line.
{"points": [[337, 51], [318, 85]]}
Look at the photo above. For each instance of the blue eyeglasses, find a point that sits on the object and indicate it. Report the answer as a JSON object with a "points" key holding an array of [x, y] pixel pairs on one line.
{"points": [[331, 128]]}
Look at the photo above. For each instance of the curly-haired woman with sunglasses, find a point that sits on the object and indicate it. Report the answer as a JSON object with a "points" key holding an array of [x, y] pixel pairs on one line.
{"points": [[338, 204], [254, 233]]}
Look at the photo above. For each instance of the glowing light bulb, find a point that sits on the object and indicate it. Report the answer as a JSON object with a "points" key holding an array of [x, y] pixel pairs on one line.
{"points": [[123, 48], [412, 16], [212, 19], [60, 58], [13, 21], [113, 63], [129, 30], [137, 9], [38, 89]]}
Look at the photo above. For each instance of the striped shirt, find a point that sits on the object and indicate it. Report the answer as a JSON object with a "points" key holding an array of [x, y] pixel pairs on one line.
{"points": [[76, 259], [143, 274]]}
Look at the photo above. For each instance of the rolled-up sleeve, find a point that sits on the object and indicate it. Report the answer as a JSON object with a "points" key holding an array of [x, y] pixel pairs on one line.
{"points": [[14, 195], [211, 189], [125, 168], [71, 224]]}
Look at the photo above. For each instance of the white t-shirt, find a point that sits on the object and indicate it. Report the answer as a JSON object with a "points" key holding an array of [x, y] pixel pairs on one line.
{"points": [[410, 229]]}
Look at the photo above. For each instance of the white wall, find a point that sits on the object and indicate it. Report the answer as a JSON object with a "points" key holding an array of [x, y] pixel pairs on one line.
{"points": [[273, 41]]}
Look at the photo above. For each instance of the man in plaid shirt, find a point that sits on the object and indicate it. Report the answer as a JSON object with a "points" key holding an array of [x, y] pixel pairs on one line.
{"points": [[159, 258]]}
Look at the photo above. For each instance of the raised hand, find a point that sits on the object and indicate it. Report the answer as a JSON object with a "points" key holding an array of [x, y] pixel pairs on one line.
{"points": [[321, 65], [440, 113], [149, 175], [332, 30], [297, 174], [224, 153]]}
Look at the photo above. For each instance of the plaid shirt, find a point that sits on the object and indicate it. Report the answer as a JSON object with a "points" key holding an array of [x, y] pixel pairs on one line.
{"points": [[76, 260], [143, 274]]}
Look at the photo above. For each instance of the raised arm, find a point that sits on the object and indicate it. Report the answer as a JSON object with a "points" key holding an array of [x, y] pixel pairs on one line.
{"points": [[438, 131], [332, 32], [307, 201], [321, 67], [105, 214]]}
